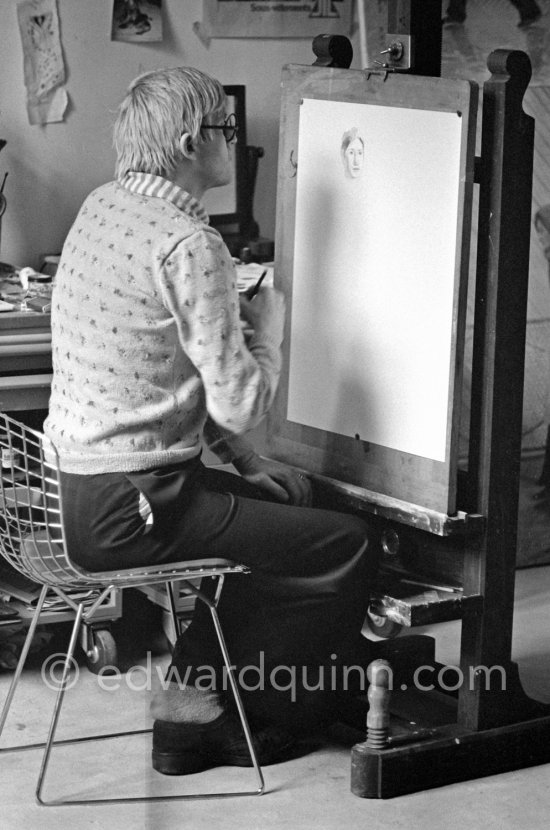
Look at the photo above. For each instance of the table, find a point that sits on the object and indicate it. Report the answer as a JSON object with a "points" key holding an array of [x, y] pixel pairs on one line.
{"points": [[25, 360]]}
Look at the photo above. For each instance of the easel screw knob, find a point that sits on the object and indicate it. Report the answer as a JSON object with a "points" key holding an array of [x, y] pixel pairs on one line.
{"points": [[395, 50], [379, 674]]}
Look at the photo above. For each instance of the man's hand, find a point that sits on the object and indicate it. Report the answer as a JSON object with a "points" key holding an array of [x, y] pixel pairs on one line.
{"points": [[265, 312], [280, 481]]}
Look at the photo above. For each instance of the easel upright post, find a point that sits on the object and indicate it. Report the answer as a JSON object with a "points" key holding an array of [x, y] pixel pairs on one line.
{"points": [[506, 170]]}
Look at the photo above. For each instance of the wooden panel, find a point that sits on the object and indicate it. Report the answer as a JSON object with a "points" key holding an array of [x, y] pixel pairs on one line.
{"points": [[402, 475], [414, 608], [24, 392], [25, 343], [39, 321], [25, 361]]}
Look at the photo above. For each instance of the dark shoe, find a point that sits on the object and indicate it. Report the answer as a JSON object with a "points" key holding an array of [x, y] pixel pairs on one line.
{"points": [[184, 748]]}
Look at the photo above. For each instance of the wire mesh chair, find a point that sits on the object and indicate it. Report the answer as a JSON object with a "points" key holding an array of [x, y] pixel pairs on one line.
{"points": [[32, 540]]}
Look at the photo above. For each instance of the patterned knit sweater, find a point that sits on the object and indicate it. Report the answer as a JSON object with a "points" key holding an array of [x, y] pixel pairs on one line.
{"points": [[146, 335]]}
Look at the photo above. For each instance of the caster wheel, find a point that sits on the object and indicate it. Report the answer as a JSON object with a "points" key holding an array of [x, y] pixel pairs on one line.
{"points": [[381, 628], [103, 652]]}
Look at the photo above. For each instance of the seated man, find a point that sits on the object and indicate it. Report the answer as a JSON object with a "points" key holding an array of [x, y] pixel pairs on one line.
{"points": [[149, 363]]}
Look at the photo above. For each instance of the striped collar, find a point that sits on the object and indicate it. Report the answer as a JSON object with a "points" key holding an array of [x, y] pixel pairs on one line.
{"points": [[148, 185]]}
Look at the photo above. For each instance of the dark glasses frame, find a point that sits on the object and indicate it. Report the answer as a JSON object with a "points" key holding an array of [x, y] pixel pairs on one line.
{"points": [[230, 127]]}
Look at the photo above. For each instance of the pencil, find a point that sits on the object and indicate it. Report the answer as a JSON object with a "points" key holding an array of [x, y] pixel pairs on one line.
{"points": [[251, 293]]}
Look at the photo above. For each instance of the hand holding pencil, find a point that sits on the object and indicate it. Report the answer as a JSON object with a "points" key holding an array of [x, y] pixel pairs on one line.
{"points": [[263, 308], [251, 292]]}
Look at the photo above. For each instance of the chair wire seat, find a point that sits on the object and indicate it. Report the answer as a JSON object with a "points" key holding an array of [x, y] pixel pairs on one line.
{"points": [[32, 540]]}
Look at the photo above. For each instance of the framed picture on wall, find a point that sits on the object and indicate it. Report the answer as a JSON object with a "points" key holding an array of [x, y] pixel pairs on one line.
{"points": [[281, 19], [137, 20], [227, 206]]}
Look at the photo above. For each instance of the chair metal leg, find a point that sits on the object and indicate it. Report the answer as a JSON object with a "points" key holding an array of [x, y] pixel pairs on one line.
{"points": [[238, 701], [173, 609], [50, 742], [212, 605], [58, 702]]}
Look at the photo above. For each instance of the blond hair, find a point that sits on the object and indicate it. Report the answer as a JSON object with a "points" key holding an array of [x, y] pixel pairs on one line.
{"points": [[158, 108]]}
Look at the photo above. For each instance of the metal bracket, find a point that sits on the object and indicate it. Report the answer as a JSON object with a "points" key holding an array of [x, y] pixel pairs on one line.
{"points": [[382, 69], [399, 52]]}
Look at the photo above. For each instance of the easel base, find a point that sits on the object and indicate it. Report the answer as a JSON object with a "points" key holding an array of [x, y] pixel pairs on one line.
{"points": [[453, 755]]}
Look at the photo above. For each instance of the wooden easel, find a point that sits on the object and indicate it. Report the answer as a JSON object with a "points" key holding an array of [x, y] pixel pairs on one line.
{"points": [[480, 728], [495, 730]]}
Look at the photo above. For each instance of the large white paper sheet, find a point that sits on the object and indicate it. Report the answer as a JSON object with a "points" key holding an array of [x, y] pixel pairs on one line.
{"points": [[374, 273]]}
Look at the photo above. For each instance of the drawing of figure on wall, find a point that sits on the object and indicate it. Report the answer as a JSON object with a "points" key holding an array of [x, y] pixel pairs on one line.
{"points": [[529, 12], [136, 20], [132, 15], [353, 153]]}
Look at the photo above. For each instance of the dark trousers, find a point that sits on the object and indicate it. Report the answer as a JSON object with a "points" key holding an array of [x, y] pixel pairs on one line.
{"points": [[292, 625]]}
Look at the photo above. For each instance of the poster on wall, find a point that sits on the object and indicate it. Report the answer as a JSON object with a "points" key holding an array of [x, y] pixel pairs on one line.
{"points": [[276, 18], [137, 21], [43, 64]]}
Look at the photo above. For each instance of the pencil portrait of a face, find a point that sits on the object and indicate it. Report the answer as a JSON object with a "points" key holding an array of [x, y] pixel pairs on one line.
{"points": [[353, 153]]}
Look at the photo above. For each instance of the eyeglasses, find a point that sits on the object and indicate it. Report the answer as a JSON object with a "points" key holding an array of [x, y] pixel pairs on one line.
{"points": [[229, 127]]}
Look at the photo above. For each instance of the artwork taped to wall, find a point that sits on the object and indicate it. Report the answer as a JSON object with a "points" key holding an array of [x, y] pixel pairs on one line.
{"points": [[137, 20], [43, 64], [275, 19]]}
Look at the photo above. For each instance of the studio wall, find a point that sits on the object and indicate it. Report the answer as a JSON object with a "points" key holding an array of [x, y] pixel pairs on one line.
{"points": [[53, 167]]}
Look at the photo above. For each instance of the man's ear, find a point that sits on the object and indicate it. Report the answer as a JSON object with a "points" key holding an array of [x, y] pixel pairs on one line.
{"points": [[186, 146]]}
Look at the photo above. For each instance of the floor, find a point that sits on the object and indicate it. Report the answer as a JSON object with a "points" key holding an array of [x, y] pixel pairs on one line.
{"points": [[312, 791]]}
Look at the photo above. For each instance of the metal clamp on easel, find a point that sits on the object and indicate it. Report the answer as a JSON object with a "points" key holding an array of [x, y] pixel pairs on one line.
{"points": [[413, 42]]}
